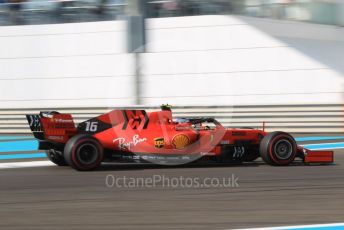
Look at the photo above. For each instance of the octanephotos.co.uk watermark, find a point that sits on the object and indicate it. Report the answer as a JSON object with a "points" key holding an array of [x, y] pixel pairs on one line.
{"points": [[157, 180]]}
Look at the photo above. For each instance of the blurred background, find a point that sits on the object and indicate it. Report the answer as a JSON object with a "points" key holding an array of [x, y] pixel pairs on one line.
{"points": [[105, 53], [26, 12]]}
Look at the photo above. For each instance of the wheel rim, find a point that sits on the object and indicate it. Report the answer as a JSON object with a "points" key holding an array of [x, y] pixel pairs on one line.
{"points": [[87, 154], [54, 155], [283, 149], [51, 154]]}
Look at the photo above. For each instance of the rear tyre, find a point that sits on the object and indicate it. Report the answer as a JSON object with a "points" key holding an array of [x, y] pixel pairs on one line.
{"points": [[56, 157], [278, 148], [83, 153]]}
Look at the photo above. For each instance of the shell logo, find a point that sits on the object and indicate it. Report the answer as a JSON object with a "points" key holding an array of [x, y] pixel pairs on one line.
{"points": [[180, 141]]}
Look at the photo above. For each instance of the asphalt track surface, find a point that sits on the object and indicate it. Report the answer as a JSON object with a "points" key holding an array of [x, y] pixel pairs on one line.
{"points": [[61, 198]]}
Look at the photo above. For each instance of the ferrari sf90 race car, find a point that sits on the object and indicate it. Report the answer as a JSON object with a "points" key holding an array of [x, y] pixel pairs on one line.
{"points": [[139, 136]]}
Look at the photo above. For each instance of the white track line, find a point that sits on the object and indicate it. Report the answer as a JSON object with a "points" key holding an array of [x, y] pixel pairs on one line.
{"points": [[298, 227], [327, 143], [28, 164]]}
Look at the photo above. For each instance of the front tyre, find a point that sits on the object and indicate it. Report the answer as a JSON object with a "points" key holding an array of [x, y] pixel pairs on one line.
{"points": [[251, 157], [278, 148], [251, 153], [83, 153]]}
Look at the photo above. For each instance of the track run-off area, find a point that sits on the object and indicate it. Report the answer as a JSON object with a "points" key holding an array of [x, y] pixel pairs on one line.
{"points": [[35, 194]]}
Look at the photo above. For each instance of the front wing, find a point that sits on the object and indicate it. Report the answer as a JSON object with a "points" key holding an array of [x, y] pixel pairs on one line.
{"points": [[318, 156]]}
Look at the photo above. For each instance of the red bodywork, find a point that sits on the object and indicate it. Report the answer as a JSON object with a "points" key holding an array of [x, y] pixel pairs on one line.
{"points": [[136, 131]]}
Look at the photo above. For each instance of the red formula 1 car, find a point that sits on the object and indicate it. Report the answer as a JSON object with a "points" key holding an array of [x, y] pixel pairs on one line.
{"points": [[139, 136]]}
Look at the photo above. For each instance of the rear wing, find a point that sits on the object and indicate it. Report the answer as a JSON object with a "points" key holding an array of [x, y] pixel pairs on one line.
{"points": [[52, 126]]}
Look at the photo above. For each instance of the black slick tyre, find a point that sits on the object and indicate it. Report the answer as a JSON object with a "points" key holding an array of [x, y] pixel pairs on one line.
{"points": [[278, 148], [56, 157], [83, 153]]}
